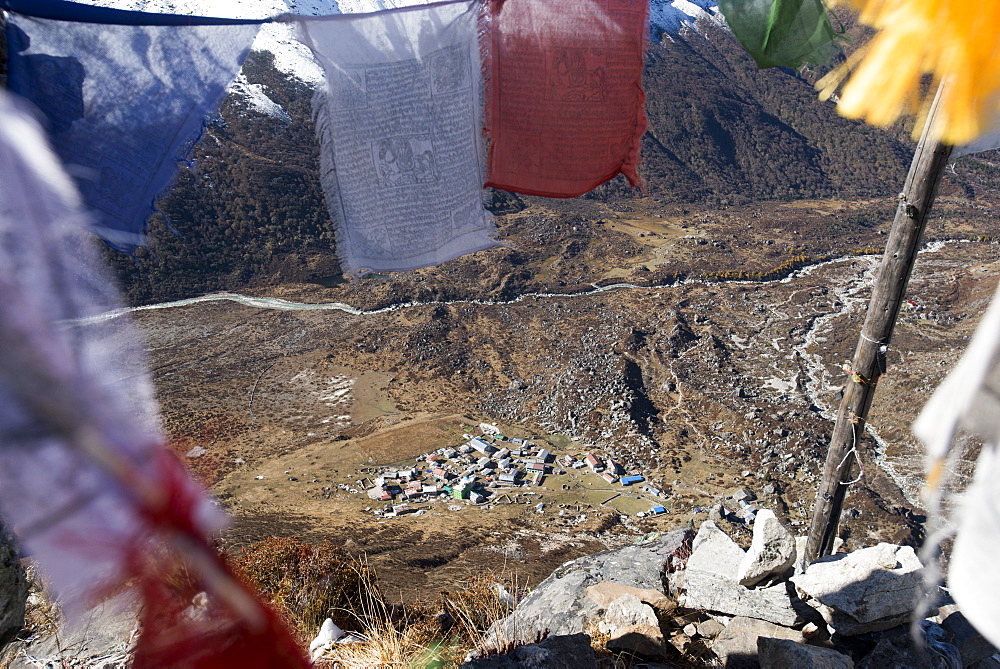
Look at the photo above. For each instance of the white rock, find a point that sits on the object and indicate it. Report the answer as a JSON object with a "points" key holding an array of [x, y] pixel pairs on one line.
{"points": [[714, 552], [772, 550], [865, 591], [710, 582], [328, 634]]}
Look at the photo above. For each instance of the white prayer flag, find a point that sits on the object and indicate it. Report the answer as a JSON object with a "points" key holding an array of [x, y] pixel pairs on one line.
{"points": [[987, 142], [969, 398], [399, 121]]}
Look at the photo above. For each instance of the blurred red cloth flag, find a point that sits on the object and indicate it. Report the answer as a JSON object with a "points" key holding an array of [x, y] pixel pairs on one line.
{"points": [[564, 105], [86, 482]]}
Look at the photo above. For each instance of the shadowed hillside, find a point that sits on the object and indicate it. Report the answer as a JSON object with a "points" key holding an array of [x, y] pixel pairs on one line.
{"points": [[721, 130]]}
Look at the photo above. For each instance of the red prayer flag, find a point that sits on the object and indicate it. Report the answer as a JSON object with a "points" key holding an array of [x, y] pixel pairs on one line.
{"points": [[565, 105]]}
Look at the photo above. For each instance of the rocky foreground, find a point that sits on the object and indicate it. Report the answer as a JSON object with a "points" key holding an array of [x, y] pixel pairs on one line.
{"points": [[687, 599], [680, 599]]}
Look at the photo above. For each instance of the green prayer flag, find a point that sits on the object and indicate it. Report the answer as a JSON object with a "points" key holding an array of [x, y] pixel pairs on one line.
{"points": [[782, 33]]}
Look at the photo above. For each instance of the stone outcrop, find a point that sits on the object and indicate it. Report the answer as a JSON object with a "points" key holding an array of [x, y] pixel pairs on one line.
{"points": [[771, 553], [871, 591], [868, 590], [711, 582], [560, 604]]}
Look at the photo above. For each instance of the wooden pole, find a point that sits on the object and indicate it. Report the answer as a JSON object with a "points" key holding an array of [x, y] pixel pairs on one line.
{"points": [[905, 236]]}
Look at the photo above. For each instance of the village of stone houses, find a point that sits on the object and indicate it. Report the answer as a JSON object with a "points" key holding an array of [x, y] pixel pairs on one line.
{"points": [[490, 468]]}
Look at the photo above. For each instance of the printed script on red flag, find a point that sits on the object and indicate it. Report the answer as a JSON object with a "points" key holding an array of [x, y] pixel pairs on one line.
{"points": [[565, 102]]}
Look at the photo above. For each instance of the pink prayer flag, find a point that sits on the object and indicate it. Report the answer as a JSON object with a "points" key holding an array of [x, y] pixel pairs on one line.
{"points": [[564, 108]]}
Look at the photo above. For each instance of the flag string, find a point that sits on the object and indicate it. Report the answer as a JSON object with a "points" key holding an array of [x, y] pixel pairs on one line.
{"points": [[64, 10]]}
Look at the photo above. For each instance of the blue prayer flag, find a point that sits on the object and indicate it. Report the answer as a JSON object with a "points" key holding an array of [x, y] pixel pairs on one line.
{"points": [[123, 104]]}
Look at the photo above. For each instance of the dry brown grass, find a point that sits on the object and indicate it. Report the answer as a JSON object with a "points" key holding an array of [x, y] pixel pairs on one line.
{"points": [[41, 614], [438, 634], [309, 583], [387, 645]]}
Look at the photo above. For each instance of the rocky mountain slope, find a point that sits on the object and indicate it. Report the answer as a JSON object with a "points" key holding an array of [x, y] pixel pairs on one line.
{"points": [[722, 131], [702, 385]]}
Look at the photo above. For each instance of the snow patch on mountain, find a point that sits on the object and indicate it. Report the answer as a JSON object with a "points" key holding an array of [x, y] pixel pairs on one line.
{"points": [[670, 16], [290, 55], [280, 38], [232, 9], [254, 96]]}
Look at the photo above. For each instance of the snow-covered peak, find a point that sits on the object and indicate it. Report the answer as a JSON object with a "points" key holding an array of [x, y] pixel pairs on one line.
{"points": [[669, 16], [242, 9], [292, 57], [281, 39]]}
